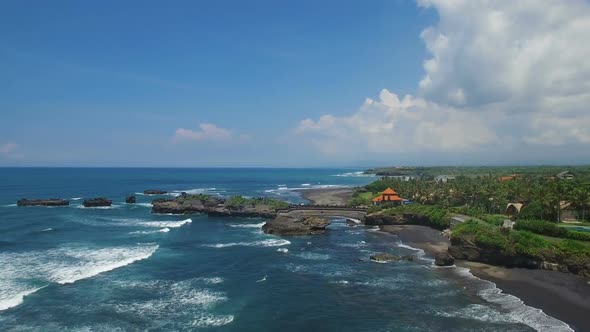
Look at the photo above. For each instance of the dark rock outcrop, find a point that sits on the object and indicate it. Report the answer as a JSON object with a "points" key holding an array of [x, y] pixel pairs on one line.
{"points": [[283, 225], [130, 199], [213, 206], [387, 257], [468, 249], [154, 192], [97, 202], [380, 218], [443, 259], [43, 202], [465, 249]]}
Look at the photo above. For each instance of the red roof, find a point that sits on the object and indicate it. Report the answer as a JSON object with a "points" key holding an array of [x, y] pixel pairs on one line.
{"points": [[389, 191]]}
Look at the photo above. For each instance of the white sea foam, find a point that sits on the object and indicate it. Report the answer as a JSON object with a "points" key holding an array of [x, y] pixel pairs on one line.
{"points": [[76, 198], [283, 250], [420, 254], [263, 279], [306, 184], [313, 256], [179, 305], [9, 205], [47, 230], [248, 225], [148, 205], [212, 320], [211, 281], [262, 243], [12, 296], [22, 273], [163, 230], [518, 311], [114, 206], [165, 224], [355, 174]]}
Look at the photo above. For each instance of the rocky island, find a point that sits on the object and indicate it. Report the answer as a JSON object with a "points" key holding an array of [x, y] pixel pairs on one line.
{"points": [[97, 202], [154, 192], [216, 206], [43, 202], [289, 226]]}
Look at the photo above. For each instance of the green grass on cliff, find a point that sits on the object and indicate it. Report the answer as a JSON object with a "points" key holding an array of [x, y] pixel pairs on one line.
{"points": [[521, 242], [239, 201], [439, 217]]}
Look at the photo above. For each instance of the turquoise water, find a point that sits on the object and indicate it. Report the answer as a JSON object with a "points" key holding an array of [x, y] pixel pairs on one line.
{"points": [[124, 269], [580, 229]]}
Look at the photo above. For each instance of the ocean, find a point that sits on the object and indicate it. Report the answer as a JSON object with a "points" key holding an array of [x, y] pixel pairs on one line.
{"points": [[125, 269]]}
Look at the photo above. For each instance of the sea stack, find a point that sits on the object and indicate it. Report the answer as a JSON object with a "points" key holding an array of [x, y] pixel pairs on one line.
{"points": [[154, 192], [130, 199], [43, 202], [97, 202], [282, 225]]}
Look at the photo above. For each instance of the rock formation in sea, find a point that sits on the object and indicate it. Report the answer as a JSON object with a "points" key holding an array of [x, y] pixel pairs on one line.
{"points": [[214, 206], [154, 192], [130, 199], [97, 202], [443, 259], [43, 202], [283, 225], [387, 257]]}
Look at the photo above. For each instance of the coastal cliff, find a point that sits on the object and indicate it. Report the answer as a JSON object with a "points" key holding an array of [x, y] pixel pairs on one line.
{"points": [[478, 241]]}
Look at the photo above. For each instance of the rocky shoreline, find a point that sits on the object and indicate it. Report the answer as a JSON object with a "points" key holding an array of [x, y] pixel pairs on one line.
{"points": [[564, 296]]}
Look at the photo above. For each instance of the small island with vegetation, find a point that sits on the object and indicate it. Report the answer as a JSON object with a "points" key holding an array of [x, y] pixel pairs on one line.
{"points": [[217, 206]]}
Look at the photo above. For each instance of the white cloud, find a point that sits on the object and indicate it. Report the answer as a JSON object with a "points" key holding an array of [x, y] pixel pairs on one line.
{"points": [[514, 72], [7, 148], [392, 125], [208, 133]]}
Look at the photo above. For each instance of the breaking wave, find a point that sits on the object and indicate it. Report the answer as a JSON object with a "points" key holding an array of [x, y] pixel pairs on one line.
{"points": [[25, 273], [262, 243]]}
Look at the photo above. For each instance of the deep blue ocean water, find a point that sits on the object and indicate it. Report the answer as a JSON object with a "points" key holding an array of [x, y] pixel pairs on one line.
{"points": [[124, 269]]}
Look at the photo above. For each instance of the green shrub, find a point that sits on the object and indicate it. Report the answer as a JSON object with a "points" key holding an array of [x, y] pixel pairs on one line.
{"points": [[541, 227], [550, 229], [439, 217]]}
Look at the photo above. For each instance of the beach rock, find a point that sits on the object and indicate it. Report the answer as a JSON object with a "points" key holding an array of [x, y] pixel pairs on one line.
{"points": [[443, 259], [43, 202], [179, 205], [97, 202], [154, 192], [130, 199], [282, 225], [387, 257]]}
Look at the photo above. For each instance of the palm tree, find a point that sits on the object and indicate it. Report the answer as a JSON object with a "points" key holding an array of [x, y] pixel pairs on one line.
{"points": [[580, 198]]}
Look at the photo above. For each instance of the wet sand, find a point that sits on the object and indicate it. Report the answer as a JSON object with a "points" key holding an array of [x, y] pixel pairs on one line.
{"points": [[328, 196], [561, 295]]}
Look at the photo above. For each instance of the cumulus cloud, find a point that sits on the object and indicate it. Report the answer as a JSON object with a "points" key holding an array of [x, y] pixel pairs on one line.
{"points": [[208, 132], [498, 72]]}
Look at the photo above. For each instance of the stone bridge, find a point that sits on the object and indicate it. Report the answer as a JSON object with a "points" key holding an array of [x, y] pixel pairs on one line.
{"points": [[324, 211]]}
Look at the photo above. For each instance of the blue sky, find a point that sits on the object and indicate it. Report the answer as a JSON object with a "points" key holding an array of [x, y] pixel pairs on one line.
{"points": [[247, 83]]}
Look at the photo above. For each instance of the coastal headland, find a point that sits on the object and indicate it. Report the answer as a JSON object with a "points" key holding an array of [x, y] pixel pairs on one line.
{"points": [[561, 295]]}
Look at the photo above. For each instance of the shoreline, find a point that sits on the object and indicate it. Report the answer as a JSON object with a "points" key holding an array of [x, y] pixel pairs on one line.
{"points": [[327, 196], [563, 296]]}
